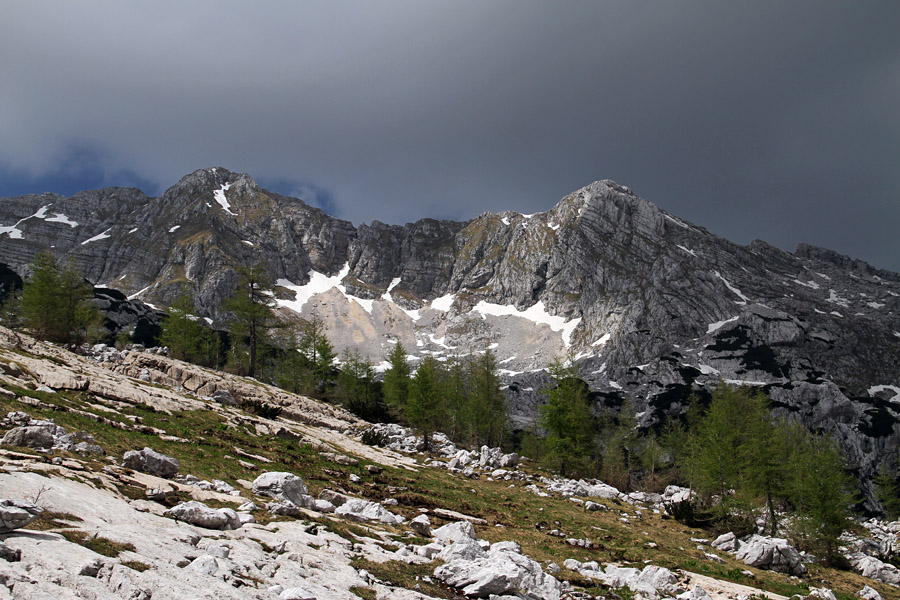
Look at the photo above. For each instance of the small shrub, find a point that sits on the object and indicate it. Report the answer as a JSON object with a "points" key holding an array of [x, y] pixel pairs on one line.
{"points": [[261, 409], [373, 437]]}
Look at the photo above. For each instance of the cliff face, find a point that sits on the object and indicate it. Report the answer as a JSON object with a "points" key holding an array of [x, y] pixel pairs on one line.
{"points": [[652, 306]]}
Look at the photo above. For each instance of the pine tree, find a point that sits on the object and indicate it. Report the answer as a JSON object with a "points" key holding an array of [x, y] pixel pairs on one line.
{"points": [[55, 302], [252, 310], [319, 353], [397, 378], [568, 421], [822, 493], [488, 404], [357, 388], [425, 409], [182, 332]]}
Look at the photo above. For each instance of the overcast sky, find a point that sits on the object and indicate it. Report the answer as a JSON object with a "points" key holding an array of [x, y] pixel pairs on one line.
{"points": [[770, 120]]}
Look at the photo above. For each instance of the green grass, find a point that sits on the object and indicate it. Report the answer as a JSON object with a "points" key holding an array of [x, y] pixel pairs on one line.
{"points": [[98, 544]]}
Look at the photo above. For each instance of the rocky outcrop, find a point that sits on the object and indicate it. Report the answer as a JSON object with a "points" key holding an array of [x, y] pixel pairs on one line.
{"points": [[763, 552], [201, 515], [15, 514]]}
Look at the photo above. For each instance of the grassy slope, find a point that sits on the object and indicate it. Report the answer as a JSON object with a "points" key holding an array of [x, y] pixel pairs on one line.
{"points": [[511, 512]]}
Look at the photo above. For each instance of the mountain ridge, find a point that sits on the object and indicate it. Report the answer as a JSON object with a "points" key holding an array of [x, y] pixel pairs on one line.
{"points": [[652, 307]]}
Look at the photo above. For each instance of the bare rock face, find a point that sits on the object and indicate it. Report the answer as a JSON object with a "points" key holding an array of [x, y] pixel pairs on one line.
{"points": [[28, 437], [201, 515], [15, 514], [152, 462]]}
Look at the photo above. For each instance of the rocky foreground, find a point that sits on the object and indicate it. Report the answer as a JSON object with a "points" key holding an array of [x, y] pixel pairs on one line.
{"points": [[130, 475]]}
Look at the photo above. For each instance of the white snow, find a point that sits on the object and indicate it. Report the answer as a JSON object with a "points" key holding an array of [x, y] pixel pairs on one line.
{"points": [[219, 195], [132, 230], [319, 283], [394, 283], [443, 303], [708, 370], [98, 237], [834, 298], [823, 275], [719, 324], [886, 388], [875, 305], [506, 360], [535, 313], [678, 222], [249, 243], [61, 218], [615, 385], [13, 230], [836, 313], [505, 221], [811, 284], [897, 333], [736, 291], [174, 229], [602, 340], [743, 382], [688, 250], [136, 294], [553, 226]]}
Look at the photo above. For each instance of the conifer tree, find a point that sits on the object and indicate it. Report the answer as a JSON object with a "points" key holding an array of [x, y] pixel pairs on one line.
{"points": [[568, 421], [252, 310], [425, 409], [488, 405], [397, 378], [55, 302], [357, 388], [182, 332]]}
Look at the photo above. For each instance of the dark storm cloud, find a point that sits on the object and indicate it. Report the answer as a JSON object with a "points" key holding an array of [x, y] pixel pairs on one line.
{"points": [[756, 120]]}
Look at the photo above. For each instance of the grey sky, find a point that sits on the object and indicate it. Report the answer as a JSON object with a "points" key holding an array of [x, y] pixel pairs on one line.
{"points": [[775, 120]]}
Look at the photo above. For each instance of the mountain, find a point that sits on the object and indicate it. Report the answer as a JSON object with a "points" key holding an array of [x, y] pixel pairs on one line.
{"points": [[652, 306]]}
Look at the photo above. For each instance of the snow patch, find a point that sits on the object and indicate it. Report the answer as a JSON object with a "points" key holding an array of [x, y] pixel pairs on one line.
{"points": [[614, 385], [132, 230], [688, 250], [602, 341], [811, 284], [319, 283], [535, 313], [249, 243], [713, 327], [61, 218], [678, 222], [553, 226], [443, 303], [505, 221], [834, 298], [98, 237], [744, 382], [137, 294], [886, 388], [219, 195], [734, 290], [875, 305], [708, 370], [14, 232], [174, 228]]}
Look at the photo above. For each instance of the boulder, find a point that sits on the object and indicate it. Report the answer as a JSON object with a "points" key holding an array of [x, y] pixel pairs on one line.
{"points": [[201, 515], [454, 532], [28, 437], [770, 553], [727, 542], [871, 567], [335, 498], [152, 462], [223, 397], [297, 593], [821, 594], [499, 571], [281, 486], [365, 510], [15, 514], [421, 525], [868, 593]]}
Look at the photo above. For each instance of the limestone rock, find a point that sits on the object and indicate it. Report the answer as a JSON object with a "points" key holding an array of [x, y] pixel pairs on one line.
{"points": [[770, 553], [421, 525], [15, 514], [28, 437], [150, 461], [201, 515], [365, 510], [281, 485]]}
